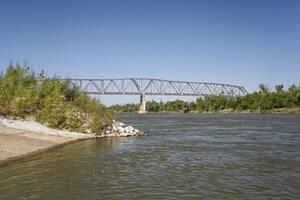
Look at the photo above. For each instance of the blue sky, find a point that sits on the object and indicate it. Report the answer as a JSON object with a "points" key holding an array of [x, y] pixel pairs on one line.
{"points": [[238, 42]]}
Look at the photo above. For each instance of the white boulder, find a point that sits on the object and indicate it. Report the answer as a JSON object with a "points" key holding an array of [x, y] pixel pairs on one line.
{"points": [[128, 129], [121, 129], [114, 128]]}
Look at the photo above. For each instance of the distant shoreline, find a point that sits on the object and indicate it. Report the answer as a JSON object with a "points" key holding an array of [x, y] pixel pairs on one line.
{"points": [[291, 111]]}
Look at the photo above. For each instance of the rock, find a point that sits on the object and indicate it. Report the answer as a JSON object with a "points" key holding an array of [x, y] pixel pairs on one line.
{"points": [[139, 133], [136, 130], [119, 124], [124, 134], [88, 131], [128, 129], [116, 132], [114, 128], [117, 129], [121, 129]]}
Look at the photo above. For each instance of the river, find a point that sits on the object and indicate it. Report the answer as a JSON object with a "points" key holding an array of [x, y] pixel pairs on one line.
{"points": [[185, 156]]}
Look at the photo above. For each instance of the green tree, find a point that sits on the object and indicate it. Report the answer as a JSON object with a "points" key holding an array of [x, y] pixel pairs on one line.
{"points": [[263, 88], [279, 88]]}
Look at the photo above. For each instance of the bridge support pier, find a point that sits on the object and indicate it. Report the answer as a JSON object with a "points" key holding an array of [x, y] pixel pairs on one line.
{"points": [[142, 104]]}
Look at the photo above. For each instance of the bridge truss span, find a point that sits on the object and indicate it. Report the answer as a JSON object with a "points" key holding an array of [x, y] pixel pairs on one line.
{"points": [[147, 86]]}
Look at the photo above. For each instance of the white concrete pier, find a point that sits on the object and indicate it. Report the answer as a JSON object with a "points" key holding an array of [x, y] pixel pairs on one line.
{"points": [[142, 104]]}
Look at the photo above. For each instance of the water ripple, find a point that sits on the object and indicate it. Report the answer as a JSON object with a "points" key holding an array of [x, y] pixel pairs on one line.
{"points": [[185, 156]]}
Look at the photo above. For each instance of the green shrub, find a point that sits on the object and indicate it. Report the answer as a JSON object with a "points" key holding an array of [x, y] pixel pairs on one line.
{"points": [[54, 108], [74, 119], [96, 126], [5, 98], [50, 100], [24, 102]]}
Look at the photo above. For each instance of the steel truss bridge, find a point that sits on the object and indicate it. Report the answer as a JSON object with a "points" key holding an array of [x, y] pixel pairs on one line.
{"points": [[147, 86]]}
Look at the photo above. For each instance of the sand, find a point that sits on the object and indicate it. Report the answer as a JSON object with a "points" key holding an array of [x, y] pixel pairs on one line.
{"points": [[30, 138]]}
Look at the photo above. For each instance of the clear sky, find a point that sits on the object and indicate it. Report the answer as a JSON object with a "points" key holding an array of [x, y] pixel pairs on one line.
{"points": [[238, 42]]}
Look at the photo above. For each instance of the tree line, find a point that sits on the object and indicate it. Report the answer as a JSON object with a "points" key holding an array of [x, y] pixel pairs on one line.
{"points": [[263, 100]]}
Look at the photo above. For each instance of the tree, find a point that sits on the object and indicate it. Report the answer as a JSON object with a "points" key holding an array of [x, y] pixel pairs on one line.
{"points": [[200, 104], [263, 88], [264, 100], [279, 88], [152, 106]]}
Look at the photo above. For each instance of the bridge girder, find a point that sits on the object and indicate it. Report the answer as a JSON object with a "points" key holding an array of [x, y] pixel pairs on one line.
{"points": [[147, 86]]}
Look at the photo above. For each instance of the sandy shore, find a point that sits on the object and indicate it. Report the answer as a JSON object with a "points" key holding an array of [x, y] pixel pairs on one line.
{"points": [[23, 138], [18, 144]]}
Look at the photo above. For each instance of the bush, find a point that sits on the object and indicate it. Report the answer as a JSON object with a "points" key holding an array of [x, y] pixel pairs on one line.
{"points": [[74, 119], [24, 102], [50, 100]]}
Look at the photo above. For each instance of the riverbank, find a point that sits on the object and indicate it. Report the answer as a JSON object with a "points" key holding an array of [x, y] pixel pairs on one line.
{"points": [[17, 144], [20, 139]]}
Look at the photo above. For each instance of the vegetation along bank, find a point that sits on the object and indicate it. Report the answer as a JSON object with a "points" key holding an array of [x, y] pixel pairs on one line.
{"points": [[262, 101], [56, 104]]}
